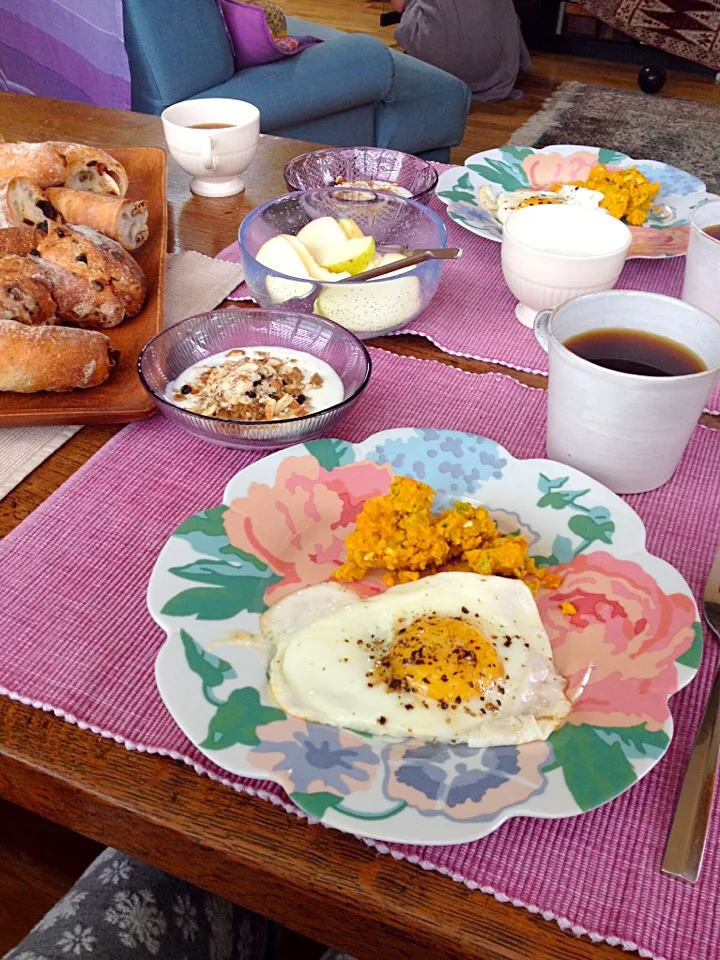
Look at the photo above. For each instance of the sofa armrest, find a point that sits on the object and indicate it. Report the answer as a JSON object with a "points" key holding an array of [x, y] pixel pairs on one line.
{"points": [[348, 71]]}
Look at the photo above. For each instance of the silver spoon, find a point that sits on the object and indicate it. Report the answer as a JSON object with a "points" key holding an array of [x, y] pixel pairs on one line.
{"points": [[411, 259]]}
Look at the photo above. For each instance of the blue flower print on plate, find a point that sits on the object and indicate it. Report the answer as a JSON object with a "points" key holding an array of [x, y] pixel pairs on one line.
{"points": [[312, 758], [464, 783], [476, 217], [454, 464], [673, 181]]}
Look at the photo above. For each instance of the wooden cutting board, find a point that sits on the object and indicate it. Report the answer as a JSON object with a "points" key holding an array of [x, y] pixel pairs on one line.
{"points": [[122, 398]]}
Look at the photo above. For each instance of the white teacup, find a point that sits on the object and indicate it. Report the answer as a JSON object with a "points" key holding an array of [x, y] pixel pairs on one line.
{"points": [[553, 252], [213, 156], [628, 431]]}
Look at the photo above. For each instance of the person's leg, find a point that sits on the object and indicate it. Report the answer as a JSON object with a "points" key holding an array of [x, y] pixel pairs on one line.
{"points": [[479, 42], [122, 908]]}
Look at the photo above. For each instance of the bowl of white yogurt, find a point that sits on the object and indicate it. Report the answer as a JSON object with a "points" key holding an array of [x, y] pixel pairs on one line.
{"points": [[255, 379]]}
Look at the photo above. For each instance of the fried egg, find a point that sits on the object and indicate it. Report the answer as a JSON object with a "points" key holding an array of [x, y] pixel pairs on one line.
{"points": [[503, 204], [455, 657]]}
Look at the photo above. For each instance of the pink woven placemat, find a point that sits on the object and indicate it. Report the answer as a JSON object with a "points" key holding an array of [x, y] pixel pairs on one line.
{"points": [[472, 314], [79, 642]]}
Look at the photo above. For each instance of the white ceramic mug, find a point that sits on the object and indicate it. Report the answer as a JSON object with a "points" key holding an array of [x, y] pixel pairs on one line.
{"points": [[214, 158], [702, 263], [554, 252], [627, 431]]}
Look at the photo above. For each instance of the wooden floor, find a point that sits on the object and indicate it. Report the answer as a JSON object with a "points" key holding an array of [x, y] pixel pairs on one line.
{"points": [[38, 861], [490, 124]]}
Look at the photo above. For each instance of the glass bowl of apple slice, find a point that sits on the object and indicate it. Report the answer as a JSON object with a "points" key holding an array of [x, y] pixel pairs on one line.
{"points": [[295, 250]]}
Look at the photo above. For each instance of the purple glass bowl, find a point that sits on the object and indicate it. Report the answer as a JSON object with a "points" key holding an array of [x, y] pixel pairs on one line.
{"points": [[173, 350], [321, 168]]}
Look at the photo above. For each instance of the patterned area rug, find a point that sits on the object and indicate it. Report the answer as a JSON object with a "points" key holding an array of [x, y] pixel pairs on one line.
{"points": [[687, 28], [684, 133]]}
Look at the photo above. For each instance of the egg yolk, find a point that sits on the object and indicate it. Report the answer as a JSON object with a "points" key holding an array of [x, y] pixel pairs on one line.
{"points": [[443, 658]]}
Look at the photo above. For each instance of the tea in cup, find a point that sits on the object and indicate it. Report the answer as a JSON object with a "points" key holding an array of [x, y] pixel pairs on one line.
{"points": [[214, 140], [630, 374], [554, 252]]}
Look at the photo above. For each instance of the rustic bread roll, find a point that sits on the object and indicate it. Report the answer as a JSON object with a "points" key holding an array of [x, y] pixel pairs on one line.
{"points": [[24, 297], [94, 282], [22, 204], [127, 279], [91, 169], [21, 240], [40, 162], [52, 358], [121, 220]]}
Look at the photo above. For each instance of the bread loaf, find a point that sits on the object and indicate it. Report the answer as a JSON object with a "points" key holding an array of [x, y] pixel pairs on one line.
{"points": [[21, 240], [91, 169], [24, 296], [127, 279], [95, 283], [121, 220], [40, 162], [57, 359], [23, 204]]}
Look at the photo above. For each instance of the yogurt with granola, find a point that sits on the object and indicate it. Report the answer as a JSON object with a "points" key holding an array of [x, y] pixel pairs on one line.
{"points": [[257, 384]]}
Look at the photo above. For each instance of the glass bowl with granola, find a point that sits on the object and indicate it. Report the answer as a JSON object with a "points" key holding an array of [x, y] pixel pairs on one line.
{"points": [[254, 379]]}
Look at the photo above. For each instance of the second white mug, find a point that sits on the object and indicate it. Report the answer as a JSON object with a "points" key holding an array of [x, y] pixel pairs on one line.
{"points": [[627, 430]]}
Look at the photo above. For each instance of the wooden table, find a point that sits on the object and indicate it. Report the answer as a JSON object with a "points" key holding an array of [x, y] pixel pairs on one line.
{"points": [[319, 882]]}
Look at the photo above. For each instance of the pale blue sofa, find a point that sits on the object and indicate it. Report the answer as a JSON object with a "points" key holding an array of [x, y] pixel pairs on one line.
{"points": [[349, 90]]}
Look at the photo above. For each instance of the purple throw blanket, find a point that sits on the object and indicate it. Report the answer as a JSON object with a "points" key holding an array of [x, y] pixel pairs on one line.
{"points": [[69, 49]]}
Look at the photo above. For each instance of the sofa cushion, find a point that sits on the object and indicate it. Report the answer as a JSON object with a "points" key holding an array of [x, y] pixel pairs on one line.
{"points": [[253, 41], [298, 26], [175, 50], [345, 71], [348, 128], [425, 109]]}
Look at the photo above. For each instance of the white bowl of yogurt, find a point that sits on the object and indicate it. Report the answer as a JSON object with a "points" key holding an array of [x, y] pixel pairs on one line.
{"points": [[254, 379], [553, 253]]}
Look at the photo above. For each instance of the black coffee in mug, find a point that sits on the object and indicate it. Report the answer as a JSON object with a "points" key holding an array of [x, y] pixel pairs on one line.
{"points": [[635, 351]]}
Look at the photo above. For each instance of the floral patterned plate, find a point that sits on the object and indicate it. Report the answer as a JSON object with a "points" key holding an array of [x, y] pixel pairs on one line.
{"points": [[633, 641], [515, 168]]}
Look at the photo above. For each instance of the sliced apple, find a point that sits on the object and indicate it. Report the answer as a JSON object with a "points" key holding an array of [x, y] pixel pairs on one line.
{"points": [[351, 257], [351, 230], [279, 254], [373, 306], [394, 258], [312, 266], [322, 235]]}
